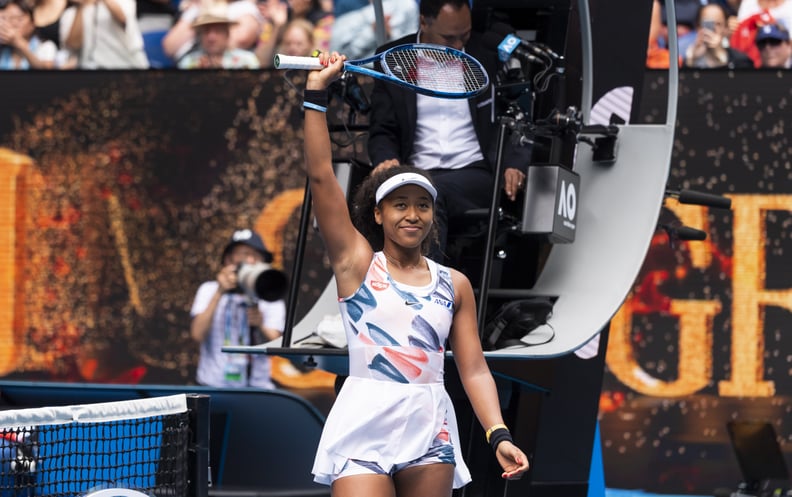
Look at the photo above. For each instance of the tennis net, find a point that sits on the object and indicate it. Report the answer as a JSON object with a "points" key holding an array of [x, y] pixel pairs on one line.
{"points": [[143, 445]]}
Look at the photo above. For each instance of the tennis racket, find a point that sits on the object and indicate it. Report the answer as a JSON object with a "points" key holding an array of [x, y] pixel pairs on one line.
{"points": [[433, 70]]}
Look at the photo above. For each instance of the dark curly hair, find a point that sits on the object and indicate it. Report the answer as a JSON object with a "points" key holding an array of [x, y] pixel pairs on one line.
{"points": [[363, 204]]}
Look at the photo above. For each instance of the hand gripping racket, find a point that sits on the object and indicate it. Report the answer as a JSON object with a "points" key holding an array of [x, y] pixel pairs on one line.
{"points": [[433, 70]]}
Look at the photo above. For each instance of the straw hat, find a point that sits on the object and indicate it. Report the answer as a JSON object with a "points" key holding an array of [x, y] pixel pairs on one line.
{"points": [[215, 13]]}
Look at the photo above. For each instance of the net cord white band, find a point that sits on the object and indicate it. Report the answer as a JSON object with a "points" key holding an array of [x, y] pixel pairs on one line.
{"points": [[94, 413]]}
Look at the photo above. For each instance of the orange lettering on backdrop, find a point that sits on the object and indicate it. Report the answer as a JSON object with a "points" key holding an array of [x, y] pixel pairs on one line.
{"points": [[273, 219], [16, 174], [750, 295], [695, 350]]}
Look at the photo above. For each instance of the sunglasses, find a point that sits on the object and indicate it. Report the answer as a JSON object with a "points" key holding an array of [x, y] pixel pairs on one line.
{"points": [[769, 42]]}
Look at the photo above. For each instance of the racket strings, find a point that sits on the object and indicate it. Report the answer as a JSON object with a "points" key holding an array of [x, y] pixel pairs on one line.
{"points": [[436, 70]]}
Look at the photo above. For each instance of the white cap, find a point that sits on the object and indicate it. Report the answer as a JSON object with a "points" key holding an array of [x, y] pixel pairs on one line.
{"points": [[404, 179]]}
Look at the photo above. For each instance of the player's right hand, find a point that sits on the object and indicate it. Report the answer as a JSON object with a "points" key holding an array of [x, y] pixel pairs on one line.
{"points": [[333, 67]]}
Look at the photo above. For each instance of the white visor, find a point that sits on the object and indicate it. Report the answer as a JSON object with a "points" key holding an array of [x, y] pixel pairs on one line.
{"points": [[404, 179]]}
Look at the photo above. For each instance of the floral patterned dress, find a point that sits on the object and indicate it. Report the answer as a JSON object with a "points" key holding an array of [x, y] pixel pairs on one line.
{"points": [[393, 404]]}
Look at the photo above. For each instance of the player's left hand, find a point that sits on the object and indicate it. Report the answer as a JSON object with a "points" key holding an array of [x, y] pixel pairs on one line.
{"points": [[513, 461]]}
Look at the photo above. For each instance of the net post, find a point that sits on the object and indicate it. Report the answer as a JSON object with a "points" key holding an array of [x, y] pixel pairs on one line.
{"points": [[198, 460]]}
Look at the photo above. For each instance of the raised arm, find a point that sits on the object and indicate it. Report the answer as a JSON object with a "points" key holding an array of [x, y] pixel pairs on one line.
{"points": [[476, 376], [349, 252], [116, 12], [72, 32]]}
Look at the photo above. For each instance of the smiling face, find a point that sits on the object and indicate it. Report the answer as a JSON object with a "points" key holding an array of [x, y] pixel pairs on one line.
{"points": [[406, 216]]}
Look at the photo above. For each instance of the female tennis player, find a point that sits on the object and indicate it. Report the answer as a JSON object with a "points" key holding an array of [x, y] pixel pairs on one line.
{"points": [[392, 430]]}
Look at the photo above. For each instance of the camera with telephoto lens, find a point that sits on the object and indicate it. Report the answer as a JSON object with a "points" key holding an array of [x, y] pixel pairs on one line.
{"points": [[262, 281]]}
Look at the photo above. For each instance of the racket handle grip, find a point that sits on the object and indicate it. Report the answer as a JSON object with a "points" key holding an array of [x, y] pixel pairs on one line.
{"points": [[295, 62]]}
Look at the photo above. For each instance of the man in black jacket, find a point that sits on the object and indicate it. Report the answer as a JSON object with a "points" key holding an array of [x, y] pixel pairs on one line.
{"points": [[455, 140]]}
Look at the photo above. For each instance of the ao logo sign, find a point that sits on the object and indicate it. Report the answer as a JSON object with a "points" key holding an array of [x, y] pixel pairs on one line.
{"points": [[567, 204], [507, 46]]}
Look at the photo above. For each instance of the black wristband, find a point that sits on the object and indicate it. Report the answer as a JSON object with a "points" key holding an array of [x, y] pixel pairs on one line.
{"points": [[315, 97], [498, 436]]}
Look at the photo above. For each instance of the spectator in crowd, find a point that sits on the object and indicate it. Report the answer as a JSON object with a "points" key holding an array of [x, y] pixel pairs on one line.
{"points": [[686, 11], [322, 20], [732, 8], [744, 37], [455, 140], [657, 55], [780, 10], [354, 32], [774, 46], [20, 48], [327, 5], [711, 47], [213, 28], [278, 14], [223, 315], [46, 17], [181, 39], [297, 39], [104, 34], [686, 23]]}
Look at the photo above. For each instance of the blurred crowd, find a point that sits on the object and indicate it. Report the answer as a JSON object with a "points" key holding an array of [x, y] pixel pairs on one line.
{"points": [[242, 34], [731, 34], [188, 34]]}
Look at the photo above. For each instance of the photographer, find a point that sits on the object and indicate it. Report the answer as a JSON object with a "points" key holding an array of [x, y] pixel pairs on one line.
{"points": [[225, 314]]}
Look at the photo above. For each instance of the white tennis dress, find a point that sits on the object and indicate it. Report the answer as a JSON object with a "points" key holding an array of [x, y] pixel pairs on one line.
{"points": [[393, 404]]}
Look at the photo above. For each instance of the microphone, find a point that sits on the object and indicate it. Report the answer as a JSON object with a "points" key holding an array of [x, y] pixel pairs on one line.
{"points": [[355, 94], [515, 60], [688, 233], [539, 49], [684, 233], [508, 47], [348, 88], [700, 198], [549, 51]]}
